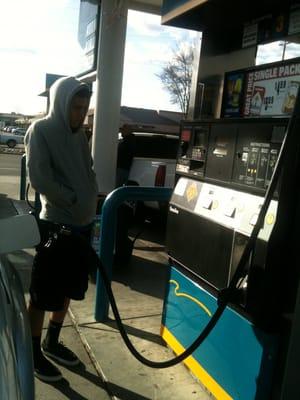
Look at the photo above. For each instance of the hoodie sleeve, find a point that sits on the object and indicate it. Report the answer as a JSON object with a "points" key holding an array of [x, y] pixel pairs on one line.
{"points": [[41, 176]]}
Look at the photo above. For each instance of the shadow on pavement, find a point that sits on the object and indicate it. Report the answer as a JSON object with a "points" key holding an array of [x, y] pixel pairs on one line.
{"points": [[64, 387], [111, 388], [140, 333], [144, 276]]}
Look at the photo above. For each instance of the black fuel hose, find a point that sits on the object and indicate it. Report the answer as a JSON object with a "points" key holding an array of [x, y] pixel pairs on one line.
{"points": [[27, 197], [226, 294], [132, 349]]}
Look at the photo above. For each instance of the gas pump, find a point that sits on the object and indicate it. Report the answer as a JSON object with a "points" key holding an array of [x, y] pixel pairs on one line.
{"points": [[227, 239], [223, 173], [223, 170]]}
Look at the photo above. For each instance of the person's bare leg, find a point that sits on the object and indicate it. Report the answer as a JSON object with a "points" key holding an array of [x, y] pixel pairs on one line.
{"points": [[42, 367], [55, 324], [36, 319], [59, 316], [51, 346]]}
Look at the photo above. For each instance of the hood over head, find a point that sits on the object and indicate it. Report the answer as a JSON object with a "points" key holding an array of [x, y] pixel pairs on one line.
{"points": [[61, 94]]}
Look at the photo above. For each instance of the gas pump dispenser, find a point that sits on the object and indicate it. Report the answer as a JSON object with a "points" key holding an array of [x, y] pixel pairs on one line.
{"points": [[223, 170], [231, 308]]}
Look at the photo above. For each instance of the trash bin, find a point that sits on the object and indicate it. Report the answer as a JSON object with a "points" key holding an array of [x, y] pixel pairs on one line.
{"points": [[123, 244], [95, 239]]}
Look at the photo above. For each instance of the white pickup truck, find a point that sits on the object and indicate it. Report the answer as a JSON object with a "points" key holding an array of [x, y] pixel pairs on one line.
{"points": [[154, 162], [11, 139]]}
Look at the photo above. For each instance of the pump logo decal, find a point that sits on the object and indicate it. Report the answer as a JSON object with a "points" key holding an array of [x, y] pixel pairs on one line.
{"points": [[178, 294], [191, 192]]}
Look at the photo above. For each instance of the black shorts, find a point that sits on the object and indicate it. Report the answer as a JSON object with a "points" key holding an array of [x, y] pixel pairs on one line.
{"points": [[60, 268]]}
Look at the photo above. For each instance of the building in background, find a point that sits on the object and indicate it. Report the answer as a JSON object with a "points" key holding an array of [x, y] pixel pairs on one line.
{"points": [[145, 120], [14, 119]]}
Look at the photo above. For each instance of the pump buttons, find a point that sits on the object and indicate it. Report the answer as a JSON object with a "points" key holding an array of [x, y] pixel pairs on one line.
{"points": [[270, 218], [253, 219], [215, 204], [230, 211], [207, 203]]}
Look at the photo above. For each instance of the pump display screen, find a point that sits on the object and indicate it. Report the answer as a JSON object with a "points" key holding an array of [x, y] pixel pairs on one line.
{"points": [[199, 138]]}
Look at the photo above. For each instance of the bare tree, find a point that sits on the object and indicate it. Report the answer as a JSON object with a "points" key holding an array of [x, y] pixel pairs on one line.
{"points": [[176, 76]]}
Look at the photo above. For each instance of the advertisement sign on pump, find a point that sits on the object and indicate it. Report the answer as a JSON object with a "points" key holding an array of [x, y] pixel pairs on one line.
{"points": [[233, 94], [271, 91], [264, 91]]}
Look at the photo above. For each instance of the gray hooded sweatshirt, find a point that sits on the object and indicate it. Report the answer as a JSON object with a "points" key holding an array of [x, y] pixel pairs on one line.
{"points": [[59, 163]]}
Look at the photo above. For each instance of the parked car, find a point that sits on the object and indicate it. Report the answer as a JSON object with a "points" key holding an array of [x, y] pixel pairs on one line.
{"points": [[11, 139], [19, 131], [16, 365], [154, 159], [10, 128]]}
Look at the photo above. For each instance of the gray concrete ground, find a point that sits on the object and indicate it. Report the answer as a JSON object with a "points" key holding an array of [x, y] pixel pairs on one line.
{"points": [[108, 370]]}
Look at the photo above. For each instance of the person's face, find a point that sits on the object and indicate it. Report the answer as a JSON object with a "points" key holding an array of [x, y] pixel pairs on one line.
{"points": [[125, 130], [78, 109]]}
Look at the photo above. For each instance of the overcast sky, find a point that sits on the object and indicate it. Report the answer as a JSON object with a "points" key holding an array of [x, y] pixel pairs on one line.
{"points": [[39, 36]]}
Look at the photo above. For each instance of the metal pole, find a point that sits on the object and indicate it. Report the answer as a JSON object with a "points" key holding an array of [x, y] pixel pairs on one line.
{"points": [[108, 230]]}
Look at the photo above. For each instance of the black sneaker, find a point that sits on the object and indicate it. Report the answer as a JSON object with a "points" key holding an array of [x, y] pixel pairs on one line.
{"points": [[60, 353], [46, 371]]}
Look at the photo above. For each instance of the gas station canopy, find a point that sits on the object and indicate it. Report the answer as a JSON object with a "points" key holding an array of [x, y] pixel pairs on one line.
{"points": [[226, 21], [219, 14]]}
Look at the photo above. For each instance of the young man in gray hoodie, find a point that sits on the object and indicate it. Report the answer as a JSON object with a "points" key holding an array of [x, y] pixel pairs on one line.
{"points": [[60, 169]]}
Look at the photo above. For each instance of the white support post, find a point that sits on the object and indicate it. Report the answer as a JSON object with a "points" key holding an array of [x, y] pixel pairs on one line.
{"points": [[111, 47]]}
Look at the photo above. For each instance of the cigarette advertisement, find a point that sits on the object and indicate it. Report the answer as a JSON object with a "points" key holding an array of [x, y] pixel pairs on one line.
{"points": [[233, 94], [271, 91]]}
